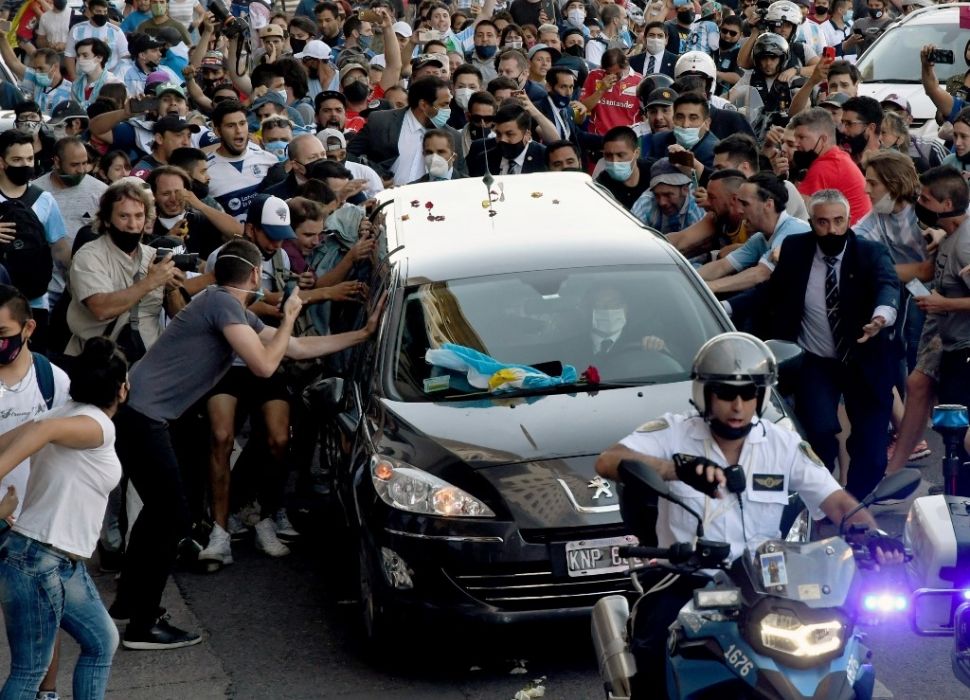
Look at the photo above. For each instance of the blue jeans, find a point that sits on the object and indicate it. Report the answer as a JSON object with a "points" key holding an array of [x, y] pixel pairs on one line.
{"points": [[41, 590]]}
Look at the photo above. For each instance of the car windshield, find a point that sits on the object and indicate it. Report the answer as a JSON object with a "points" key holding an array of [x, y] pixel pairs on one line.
{"points": [[895, 59], [634, 324]]}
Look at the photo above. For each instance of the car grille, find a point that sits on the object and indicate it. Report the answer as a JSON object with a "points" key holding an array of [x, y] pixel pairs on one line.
{"points": [[537, 588], [567, 534]]}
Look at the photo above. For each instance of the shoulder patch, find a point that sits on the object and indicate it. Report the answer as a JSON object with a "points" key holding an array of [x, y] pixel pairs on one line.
{"points": [[810, 453], [653, 426]]}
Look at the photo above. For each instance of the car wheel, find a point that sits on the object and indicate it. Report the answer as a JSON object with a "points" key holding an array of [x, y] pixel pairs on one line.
{"points": [[332, 455], [375, 617]]}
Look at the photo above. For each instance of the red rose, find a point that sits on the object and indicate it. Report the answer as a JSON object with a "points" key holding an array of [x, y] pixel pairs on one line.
{"points": [[592, 375]]}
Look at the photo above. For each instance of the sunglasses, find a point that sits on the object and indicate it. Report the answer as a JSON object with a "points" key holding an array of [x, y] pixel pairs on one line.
{"points": [[729, 392], [479, 119], [725, 32]]}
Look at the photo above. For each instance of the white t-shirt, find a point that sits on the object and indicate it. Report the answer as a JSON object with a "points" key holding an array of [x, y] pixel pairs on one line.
{"points": [[20, 403], [55, 26], [68, 489], [181, 11]]}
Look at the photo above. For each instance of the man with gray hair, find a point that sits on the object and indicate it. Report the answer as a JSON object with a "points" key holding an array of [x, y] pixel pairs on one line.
{"points": [[833, 293]]}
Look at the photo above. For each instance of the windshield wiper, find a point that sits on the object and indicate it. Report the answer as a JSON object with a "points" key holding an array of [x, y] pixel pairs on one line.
{"points": [[575, 388]]}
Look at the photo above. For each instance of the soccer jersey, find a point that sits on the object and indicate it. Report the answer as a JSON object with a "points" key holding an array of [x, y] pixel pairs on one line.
{"points": [[235, 181]]}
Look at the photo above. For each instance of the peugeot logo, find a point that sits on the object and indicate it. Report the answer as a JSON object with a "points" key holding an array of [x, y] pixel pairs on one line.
{"points": [[602, 487]]}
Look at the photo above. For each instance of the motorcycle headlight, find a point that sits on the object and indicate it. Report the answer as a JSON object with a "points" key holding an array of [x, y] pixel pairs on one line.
{"points": [[787, 634], [407, 488]]}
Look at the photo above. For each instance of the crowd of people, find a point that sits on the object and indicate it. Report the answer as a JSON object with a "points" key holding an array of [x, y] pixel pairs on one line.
{"points": [[165, 148]]}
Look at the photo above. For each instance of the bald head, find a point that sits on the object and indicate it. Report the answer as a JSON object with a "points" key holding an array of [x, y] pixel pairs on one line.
{"points": [[306, 149]]}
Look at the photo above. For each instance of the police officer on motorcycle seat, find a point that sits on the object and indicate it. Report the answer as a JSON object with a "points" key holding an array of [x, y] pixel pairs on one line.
{"points": [[733, 375], [771, 55]]}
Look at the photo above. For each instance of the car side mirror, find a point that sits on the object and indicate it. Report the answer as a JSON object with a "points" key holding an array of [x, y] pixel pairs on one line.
{"points": [[789, 357], [326, 394]]}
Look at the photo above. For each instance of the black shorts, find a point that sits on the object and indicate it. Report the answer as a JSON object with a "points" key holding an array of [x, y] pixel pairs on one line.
{"points": [[251, 390]]}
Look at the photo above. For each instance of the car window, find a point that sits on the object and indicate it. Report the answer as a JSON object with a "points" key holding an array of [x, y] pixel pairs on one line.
{"points": [[895, 59], [546, 318]]}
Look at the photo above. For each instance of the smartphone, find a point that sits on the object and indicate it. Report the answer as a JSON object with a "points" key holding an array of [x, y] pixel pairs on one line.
{"points": [[5, 25], [287, 292], [140, 105], [829, 52], [161, 254], [941, 56], [426, 35], [682, 158], [917, 288], [370, 16]]}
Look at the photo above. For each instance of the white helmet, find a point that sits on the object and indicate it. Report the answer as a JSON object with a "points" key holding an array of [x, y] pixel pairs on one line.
{"points": [[784, 11], [733, 358], [695, 62]]}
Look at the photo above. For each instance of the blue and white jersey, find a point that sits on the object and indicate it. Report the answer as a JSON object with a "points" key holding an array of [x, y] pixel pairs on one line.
{"points": [[233, 182], [134, 79], [109, 34], [46, 97]]}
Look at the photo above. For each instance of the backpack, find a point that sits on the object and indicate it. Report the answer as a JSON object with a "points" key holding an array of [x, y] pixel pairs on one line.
{"points": [[45, 378], [28, 258]]}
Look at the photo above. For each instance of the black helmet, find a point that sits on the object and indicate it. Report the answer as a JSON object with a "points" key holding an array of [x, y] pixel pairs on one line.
{"points": [[769, 44], [651, 83]]}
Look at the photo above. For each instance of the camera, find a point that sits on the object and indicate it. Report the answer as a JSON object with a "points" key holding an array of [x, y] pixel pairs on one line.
{"points": [[186, 262], [231, 27]]}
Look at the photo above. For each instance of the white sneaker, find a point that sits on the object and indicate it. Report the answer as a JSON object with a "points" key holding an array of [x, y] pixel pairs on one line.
{"points": [[266, 540], [219, 551], [284, 528], [235, 527]]}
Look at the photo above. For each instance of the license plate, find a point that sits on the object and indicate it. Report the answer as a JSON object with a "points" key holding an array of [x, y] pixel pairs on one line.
{"points": [[592, 557]]}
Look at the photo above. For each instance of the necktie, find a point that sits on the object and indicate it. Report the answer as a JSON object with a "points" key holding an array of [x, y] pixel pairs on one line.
{"points": [[832, 308], [650, 65], [511, 170], [605, 347]]}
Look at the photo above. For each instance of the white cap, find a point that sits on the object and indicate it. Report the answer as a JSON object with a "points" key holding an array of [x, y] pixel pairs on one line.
{"points": [[378, 61], [402, 29], [315, 49], [328, 135]]}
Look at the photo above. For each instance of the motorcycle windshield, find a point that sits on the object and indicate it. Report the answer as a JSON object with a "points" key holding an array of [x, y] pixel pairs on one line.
{"points": [[749, 102], [816, 574]]}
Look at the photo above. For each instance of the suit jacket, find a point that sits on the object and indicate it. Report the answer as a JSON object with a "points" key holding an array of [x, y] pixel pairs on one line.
{"points": [[376, 144], [666, 67], [867, 279], [535, 158]]}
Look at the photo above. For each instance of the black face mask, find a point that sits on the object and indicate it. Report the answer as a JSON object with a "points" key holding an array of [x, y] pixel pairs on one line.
{"points": [[725, 45], [560, 101], [297, 44], [821, 11], [928, 217], [802, 160], [10, 347], [128, 242], [19, 174], [685, 17], [511, 151], [200, 189], [99, 20], [356, 91], [856, 144], [726, 432], [831, 245], [478, 132], [150, 66], [575, 50]]}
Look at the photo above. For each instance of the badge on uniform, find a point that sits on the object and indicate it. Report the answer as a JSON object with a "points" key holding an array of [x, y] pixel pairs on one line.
{"points": [[653, 426], [767, 482], [810, 453]]}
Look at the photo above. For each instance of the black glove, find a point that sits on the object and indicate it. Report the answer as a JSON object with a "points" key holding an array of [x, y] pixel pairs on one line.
{"points": [[888, 545], [686, 468]]}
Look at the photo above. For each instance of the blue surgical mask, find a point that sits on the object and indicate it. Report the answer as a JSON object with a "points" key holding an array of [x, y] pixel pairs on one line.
{"points": [[364, 42], [848, 16], [278, 149], [442, 117], [687, 136], [620, 170], [43, 80]]}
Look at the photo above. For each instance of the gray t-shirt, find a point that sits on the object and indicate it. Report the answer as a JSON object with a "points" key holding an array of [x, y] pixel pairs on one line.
{"points": [[952, 256], [190, 357]]}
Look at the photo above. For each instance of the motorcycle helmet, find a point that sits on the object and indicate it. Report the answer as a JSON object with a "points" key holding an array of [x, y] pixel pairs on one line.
{"points": [[784, 11], [651, 83], [695, 62], [733, 358], [769, 44]]}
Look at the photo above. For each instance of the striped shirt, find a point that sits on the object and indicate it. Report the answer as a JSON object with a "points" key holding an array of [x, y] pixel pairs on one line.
{"points": [[46, 98], [134, 79], [109, 34], [235, 181]]}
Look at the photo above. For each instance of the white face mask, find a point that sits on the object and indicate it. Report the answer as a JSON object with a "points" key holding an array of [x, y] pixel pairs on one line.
{"points": [[608, 321], [462, 95], [885, 205], [282, 93], [437, 166], [88, 65], [655, 45]]}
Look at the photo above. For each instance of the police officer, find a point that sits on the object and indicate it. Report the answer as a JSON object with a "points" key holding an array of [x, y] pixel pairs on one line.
{"points": [[732, 377]]}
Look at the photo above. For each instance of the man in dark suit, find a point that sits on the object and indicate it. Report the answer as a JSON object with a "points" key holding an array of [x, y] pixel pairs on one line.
{"points": [[512, 151], [655, 58], [391, 141], [833, 293]]}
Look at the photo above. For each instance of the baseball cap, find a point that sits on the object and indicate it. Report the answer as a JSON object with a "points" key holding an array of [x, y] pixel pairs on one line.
{"points": [[154, 79], [162, 88], [402, 29], [898, 101], [272, 215], [213, 59], [663, 172], [271, 30], [661, 96], [350, 67], [836, 99], [270, 97], [378, 62], [426, 59], [329, 95], [709, 9], [68, 109], [315, 49], [543, 47], [174, 124], [169, 35], [332, 139], [142, 42]]}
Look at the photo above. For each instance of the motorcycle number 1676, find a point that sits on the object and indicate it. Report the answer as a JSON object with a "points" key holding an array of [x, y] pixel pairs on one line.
{"points": [[739, 660]]}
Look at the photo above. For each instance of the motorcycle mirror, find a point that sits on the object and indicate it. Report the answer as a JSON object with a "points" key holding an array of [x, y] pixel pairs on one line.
{"points": [[634, 472], [901, 484], [789, 357]]}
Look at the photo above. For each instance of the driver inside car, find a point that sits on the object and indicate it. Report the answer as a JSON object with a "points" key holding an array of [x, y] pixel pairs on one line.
{"points": [[612, 329], [732, 374]]}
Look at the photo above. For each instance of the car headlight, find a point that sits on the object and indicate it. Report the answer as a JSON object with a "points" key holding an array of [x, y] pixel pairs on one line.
{"points": [[787, 634], [410, 489]]}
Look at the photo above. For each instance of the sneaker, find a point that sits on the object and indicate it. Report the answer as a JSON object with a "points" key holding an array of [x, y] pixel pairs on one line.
{"points": [[47, 695], [161, 635], [266, 540], [921, 450], [219, 551], [236, 527], [284, 528]]}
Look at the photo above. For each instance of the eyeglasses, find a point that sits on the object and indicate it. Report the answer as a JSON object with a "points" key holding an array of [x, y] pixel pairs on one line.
{"points": [[729, 392], [276, 124]]}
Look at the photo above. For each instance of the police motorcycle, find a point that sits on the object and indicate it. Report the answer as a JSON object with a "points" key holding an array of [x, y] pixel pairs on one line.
{"points": [[781, 625], [762, 104]]}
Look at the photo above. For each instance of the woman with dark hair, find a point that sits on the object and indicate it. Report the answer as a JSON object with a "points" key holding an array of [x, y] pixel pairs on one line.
{"points": [[112, 167], [44, 584]]}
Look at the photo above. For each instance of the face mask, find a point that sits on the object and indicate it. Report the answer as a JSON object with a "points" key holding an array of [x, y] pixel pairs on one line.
{"points": [[19, 174], [278, 149], [685, 17], [620, 170], [884, 205], [158, 9], [655, 45], [877, 14], [356, 91], [856, 144], [442, 117], [727, 432], [608, 321], [821, 11], [99, 20], [200, 189], [10, 347], [831, 245], [513, 44], [282, 93], [576, 50], [364, 42], [150, 66], [128, 242], [486, 51], [70, 180], [437, 166], [561, 101], [511, 151], [27, 127], [462, 95], [687, 136], [931, 218], [59, 5], [258, 294], [43, 80], [297, 44], [725, 45], [576, 18], [848, 16], [88, 65], [478, 132], [802, 160]]}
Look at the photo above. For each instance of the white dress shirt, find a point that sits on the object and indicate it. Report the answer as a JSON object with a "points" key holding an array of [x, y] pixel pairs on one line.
{"points": [[519, 162], [409, 165]]}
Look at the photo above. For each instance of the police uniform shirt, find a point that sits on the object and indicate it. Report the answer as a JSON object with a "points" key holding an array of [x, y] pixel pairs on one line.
{"points": [[775, 461]]}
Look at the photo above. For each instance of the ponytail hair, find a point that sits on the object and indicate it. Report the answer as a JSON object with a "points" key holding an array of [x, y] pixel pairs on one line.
{"points": [[100, 372]]}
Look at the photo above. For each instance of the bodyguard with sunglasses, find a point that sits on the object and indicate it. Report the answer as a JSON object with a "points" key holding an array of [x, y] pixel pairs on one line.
{"points": [[733, 375]]}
